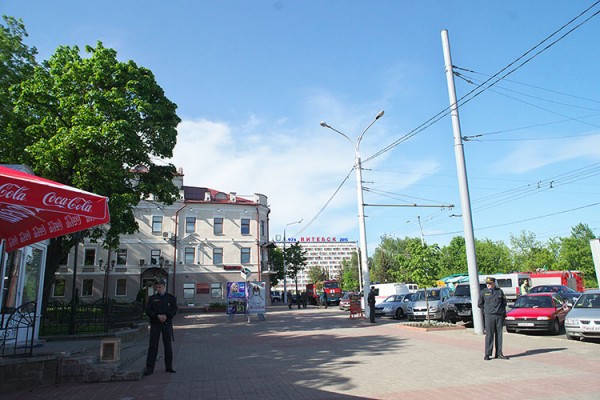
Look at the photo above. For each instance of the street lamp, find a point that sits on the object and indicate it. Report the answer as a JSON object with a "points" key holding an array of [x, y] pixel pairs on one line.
{"points": [[361, 205], [109, 266], [284, 297]]}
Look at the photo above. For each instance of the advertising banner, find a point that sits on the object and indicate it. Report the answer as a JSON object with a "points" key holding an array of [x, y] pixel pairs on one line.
{"points": [[256, 298], [236, 298]]}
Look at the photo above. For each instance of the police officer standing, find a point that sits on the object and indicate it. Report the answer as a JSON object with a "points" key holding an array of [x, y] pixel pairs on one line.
{"points": [[371, 301], [493, 304], [161, 308]]}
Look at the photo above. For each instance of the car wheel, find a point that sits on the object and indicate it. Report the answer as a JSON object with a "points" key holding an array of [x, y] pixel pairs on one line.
{"points": [[572, 337], [555, 327], [399, 313]]}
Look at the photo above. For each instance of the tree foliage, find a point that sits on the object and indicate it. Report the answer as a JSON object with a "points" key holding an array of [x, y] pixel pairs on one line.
{"points": [[295, 261], [276, 260], [317, 274], [93, 122], [349, 274]]}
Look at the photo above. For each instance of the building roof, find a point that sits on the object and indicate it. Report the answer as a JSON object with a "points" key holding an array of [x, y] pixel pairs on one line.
{"points": [[199, 194]]}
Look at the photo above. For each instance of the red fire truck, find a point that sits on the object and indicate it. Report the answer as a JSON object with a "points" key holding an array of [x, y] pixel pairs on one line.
{"points": [[572, 279], [331, 287]]}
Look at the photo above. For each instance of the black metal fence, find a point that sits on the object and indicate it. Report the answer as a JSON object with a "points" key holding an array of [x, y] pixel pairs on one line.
{"points": [[17, 331], [99, 317]]}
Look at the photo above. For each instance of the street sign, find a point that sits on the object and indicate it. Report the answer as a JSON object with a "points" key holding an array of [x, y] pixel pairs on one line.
{"points": [[245, 272]]}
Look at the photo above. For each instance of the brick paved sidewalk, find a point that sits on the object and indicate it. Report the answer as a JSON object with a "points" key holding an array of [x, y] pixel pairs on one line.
{"points": [[322, 354]]}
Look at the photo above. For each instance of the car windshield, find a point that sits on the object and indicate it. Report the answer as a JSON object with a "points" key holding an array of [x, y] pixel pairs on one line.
{"points": [[534, 302], [462, 291], [588, 300]]}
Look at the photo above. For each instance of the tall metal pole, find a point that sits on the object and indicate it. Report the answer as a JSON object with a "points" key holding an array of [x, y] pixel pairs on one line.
{"points": [[364, 257], [463, 184], [74, 298]]}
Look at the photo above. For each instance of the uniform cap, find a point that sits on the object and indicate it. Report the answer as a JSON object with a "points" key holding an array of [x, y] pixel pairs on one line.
{"points": [[490, 280], [160, 282]]}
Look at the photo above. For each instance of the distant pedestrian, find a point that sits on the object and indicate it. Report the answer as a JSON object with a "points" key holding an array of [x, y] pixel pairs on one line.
{"points": [[324, 298], [525, 286], [371, 302], [289, 299], [493, 303], [303, 299], [161, 308]]}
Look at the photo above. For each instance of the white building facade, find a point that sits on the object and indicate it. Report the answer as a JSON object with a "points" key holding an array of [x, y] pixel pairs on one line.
{"points": [[197, 245], [326, 252]]}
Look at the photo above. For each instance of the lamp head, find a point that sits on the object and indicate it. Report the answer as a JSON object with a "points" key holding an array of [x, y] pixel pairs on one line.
{"points": [[379, 115], [324, 124]]}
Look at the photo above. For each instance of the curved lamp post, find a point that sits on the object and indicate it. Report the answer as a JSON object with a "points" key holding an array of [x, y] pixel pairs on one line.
{"points": [[284, 296], [361, 206], [109, 266]]}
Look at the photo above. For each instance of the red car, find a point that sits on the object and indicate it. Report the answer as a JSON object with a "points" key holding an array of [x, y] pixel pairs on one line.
{"points": [[537, 312]]}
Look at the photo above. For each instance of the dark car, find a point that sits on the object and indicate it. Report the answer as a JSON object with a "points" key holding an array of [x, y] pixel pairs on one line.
{"points": [[565, 292], [537, 312], [459, 307]]}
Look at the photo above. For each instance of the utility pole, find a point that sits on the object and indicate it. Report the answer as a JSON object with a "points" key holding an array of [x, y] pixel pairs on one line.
{"points": [[463, 184]]}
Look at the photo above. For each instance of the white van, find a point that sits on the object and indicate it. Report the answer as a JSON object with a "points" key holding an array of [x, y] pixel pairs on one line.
{"points": [[384, 290], [509, 283]]}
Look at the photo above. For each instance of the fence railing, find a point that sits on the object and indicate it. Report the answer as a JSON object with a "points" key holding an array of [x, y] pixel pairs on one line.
{"points": [[99, 317], [17, 331]]}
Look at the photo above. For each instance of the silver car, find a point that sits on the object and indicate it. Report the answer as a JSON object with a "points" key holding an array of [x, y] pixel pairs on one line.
{"points": [[583, 321], [394, 306], [434, 298]]}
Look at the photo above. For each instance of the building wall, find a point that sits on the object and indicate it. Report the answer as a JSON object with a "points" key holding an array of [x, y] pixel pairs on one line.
{"points": [[324, 252], [141, 266]]}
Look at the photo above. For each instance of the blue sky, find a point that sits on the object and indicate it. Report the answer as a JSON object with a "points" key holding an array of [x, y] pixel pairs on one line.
{"points": [[253, 79]]}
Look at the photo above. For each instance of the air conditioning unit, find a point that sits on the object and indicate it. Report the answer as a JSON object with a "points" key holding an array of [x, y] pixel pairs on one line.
{"points": [[142, 262], [165, 234]]}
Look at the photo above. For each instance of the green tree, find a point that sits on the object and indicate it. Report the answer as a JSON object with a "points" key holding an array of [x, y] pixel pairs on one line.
{"points": [[422, 263], [17, 62], [349, 275], [295, 261], [317, 274], [453, 258], [97, 124], [276, 259], [530, 254], [492, 257], [576, 254], [387, 260]]}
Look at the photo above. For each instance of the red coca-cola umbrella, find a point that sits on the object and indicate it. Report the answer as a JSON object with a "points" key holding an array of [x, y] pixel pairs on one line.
{"points": [[33, 209]]}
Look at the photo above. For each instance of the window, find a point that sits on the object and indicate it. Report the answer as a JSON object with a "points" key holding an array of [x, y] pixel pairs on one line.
{"points": [[217, 255], [262, 228], [154, 256], [188, 291], [122, 257], [245, 226], [190, 224], [216, 291], [189, 255], [87, 287], [59, 288], [245, 259], [121, 287], [218, 226], [89, 257], [157, 224]]}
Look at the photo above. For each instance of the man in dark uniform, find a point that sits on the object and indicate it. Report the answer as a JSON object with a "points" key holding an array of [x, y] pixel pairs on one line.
{"points": [[371, 301], [161, 308], [493, 304]]}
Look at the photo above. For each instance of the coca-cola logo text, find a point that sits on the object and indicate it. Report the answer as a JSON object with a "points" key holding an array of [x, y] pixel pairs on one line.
{"points": [[75, 203], [14, 192]]}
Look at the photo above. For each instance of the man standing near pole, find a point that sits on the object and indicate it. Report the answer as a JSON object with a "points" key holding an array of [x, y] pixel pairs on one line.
{"points": [[161, 308], [493, 304], [371, 301]]}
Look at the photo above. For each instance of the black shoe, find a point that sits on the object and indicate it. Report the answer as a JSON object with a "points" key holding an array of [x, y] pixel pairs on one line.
{"points": [[502, 357], [148, 371], [486, 358], [170, 370]]}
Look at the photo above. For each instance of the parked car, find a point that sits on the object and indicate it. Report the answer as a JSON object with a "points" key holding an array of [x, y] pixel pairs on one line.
{"points": [[394, 306], [345, 301], [544, 312], [459, 307], [417, 308], [565, 292], [583, 321], [275, 296]]}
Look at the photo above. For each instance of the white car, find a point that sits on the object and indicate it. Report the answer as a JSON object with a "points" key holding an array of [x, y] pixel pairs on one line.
{"points": [[583, 321]]}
